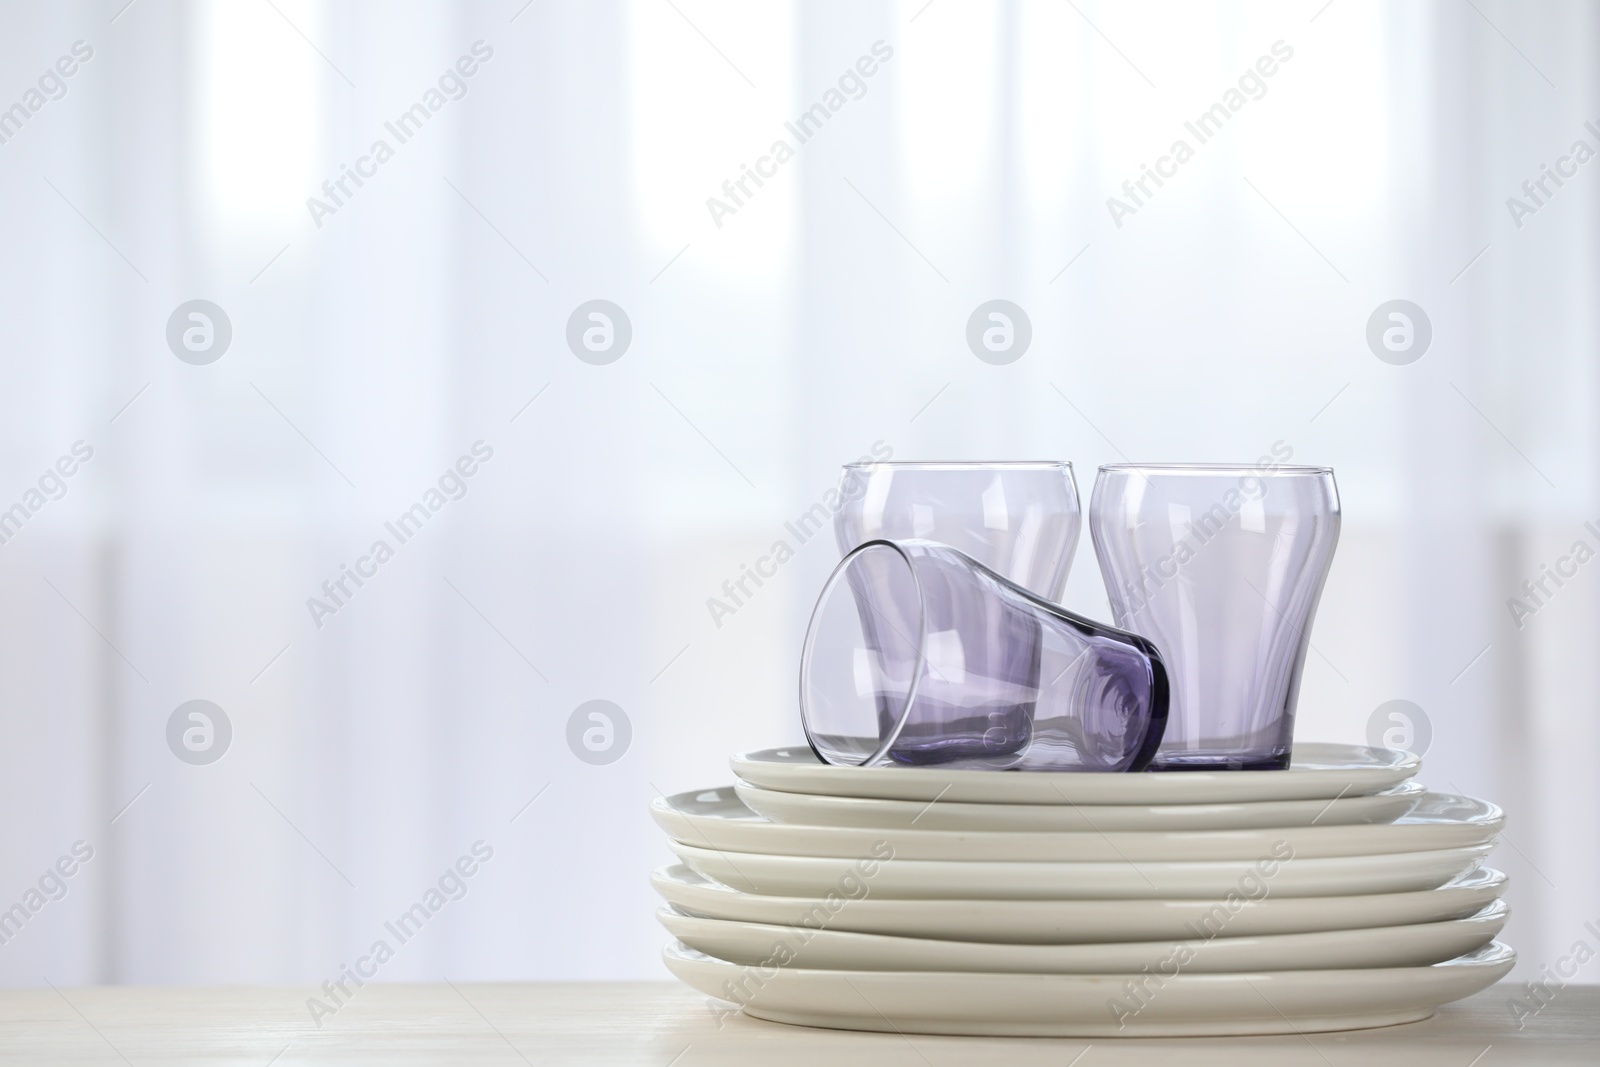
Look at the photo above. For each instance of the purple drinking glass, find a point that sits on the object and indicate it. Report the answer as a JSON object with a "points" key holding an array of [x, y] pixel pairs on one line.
{"points": [[1222, 567], [916, 654]]}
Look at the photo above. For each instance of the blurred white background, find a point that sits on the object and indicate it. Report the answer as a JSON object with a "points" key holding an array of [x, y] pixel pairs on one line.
{"points": [[373, 345]]}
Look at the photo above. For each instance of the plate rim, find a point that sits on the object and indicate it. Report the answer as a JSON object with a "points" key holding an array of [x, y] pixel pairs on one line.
{"points": [[1493, 875], [1498, 951], [1014, 921], [1443, 983], [1401, 789], [1124, 843], [1156, 947], [1483, 849], [1395, 767]]}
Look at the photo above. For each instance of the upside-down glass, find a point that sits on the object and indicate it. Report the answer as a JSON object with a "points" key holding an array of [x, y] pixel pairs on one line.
{"points": [[1019, 519], [1221, 566], [917, 654]]}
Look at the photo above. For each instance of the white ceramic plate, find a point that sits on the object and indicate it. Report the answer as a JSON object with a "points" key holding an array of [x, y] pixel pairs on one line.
{"points": [[816, 810], [717, 818], [1332, 876], [1093, 1005], [755, 944], [1315, 771], [1060, 922]]}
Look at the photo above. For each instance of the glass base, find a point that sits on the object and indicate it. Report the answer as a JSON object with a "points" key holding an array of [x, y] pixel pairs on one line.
{"points": [[1220, 761]]}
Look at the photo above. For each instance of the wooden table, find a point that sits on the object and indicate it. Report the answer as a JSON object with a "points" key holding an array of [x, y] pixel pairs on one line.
{"points": [[669, 1025]]}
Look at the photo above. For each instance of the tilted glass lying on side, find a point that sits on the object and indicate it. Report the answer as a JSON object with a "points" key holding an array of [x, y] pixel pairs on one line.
{"points": [[916, 654]]}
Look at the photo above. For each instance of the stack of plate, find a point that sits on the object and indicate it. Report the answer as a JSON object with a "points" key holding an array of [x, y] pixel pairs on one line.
{"points": [[1333, 895]]}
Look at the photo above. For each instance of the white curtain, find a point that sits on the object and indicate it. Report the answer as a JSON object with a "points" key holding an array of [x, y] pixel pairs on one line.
{"points": [[382, 333]]}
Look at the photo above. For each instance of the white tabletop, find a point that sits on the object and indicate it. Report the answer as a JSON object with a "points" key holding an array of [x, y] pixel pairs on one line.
{"points": [[669, 1025]]}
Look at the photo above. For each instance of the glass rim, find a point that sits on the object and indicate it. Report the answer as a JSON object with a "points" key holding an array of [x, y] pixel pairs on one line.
{"points": [[1256, 470], [808, 647], [963, 464]]}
